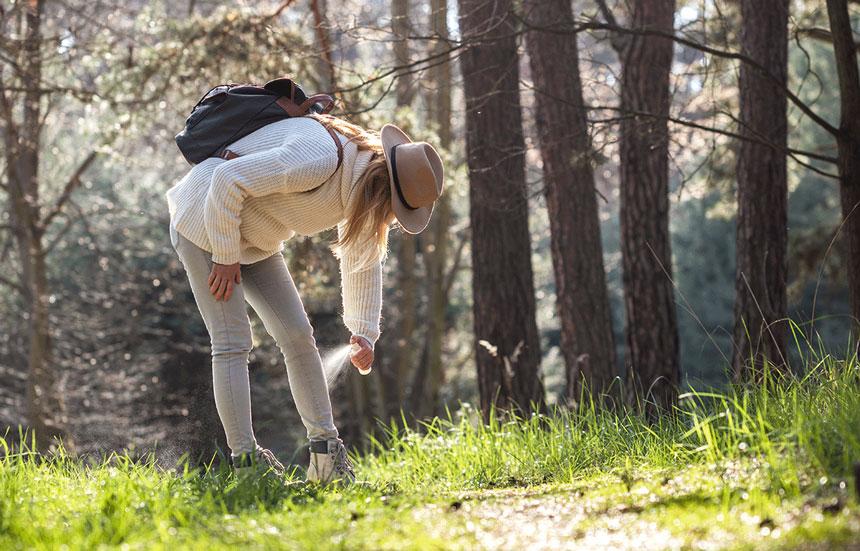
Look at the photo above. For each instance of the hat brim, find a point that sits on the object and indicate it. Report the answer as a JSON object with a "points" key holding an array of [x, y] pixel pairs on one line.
{"points": [[411, 220]]}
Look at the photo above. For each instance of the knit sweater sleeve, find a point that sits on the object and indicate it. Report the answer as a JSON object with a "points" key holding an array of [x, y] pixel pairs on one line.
{"points": [[304, 161], [362, 290]]}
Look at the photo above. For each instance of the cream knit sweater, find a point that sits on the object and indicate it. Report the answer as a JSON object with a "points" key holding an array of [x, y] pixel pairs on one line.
{"points": [[242, 210]]}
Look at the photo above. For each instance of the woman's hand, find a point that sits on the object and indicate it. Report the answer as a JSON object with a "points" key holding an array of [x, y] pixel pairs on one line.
{"points": [[222, 279], [364, 357]]}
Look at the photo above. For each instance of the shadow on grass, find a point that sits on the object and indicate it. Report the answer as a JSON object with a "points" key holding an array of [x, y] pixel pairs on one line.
{"points": [[270, 492]]}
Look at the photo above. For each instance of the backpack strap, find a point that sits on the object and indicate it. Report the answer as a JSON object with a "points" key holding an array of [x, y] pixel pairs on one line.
{"points": [[333, 135]]}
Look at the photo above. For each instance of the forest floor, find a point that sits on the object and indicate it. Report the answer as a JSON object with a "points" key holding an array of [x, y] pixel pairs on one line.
{"points": [[766, 467], [142, 508]]}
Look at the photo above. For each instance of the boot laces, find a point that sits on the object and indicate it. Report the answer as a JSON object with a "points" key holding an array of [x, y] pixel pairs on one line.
{"points": [[340, 459], [269, 458]]}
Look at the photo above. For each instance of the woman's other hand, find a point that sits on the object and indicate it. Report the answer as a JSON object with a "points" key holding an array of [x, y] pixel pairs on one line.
{"points": [[222, 279], [364, 357]]}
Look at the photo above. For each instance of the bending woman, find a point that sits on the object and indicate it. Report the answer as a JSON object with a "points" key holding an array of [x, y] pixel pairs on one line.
{"points": [[228, 223]]}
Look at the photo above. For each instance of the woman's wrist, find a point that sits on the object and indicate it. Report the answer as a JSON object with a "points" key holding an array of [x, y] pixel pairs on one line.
{"points": [[369, 341]]}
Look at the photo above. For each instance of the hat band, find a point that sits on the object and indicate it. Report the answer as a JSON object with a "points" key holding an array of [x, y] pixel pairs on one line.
{"points": [[397, 180]]}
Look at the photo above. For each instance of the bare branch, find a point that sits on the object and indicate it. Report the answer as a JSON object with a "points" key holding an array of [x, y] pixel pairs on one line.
{"points": [[71, 185], [737, 56], [715, 130], [790, 152], [284, 5], [62, 233], [616, 40], [819, 120], [452, 274], [822, 34], [17, 286]]}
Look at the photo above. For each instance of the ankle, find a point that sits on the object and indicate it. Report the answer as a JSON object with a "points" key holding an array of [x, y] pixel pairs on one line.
{"points": [[322, 445]]}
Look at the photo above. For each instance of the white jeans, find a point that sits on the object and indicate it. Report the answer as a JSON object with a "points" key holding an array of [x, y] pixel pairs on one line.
{"points": [[269, 288]]}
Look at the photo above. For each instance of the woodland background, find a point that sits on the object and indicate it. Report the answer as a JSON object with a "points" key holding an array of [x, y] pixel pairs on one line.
{"points": [[649, 147]]}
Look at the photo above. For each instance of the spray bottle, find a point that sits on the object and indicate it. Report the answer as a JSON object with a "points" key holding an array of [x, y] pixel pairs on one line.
{"points": [[356, 348]]}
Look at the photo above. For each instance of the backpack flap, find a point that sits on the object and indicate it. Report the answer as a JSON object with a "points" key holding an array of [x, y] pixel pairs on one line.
{"points": [[319, 103], [286, 87]]}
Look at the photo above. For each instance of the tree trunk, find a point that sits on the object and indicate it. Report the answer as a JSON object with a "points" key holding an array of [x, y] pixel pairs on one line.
{"points": [[401, 29], [319, 9], [430, 375], [407, 285], [507, 349], [582, 299], [652, 332], [44, 409], [762, 222], [438, 236], [404, 332], [848, 141]]}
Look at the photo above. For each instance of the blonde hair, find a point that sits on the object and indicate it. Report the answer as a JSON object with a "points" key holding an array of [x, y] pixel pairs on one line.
{"points": [[369, 220]]}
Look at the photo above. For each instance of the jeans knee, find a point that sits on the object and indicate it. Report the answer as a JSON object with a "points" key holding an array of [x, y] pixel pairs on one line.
{"points": [[296, 340], [240, 347]]}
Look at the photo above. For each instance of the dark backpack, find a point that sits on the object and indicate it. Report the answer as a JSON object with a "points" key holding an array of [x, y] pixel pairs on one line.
{"points": [[228, 112]]}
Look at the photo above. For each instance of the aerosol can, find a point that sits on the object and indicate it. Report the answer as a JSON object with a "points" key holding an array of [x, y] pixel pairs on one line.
{"points": [[356, 348]]}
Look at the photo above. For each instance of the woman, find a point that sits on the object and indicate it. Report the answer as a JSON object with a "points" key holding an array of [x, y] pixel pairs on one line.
{"points": [[229, 219]]}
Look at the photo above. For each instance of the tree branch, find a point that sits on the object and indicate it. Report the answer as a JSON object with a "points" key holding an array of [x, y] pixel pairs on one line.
{"points": [[284, 5], [57, 238], [819, 120], [615, 40], [591, 24], [17, 286], [790, 152], [452, 274], [71, 185], [822, 34]]}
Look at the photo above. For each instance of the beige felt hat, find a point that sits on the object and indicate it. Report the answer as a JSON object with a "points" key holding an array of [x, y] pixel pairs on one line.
{"points": [[415, 171]]}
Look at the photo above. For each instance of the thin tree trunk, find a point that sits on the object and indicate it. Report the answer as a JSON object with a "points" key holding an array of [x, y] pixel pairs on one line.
{"points": [[438, 236], [507, 349], [401, 28], [407, 285], [762, 224], [407, 301], [577, 254], [319, 9], [848, 140], [43, 405], [430, 375], [652, 332]]}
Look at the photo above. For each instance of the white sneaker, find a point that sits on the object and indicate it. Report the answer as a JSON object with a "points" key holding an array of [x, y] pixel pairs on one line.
{"points": [[330, 463], [261, 460]]}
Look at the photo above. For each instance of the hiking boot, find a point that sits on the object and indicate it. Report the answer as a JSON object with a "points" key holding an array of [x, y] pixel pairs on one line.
{"points": [[261, 460], [329, 463]]}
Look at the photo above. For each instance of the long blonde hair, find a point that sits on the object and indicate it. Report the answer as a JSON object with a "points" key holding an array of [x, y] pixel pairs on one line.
{"points": [[371, 214]]}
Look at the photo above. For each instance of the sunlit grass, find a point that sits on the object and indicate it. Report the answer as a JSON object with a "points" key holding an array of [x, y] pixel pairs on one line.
{"points": [[797, 428], [773, 461]]}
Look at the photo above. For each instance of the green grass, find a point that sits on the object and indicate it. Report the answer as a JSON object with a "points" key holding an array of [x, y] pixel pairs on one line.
{"points": [[770, 466]]}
